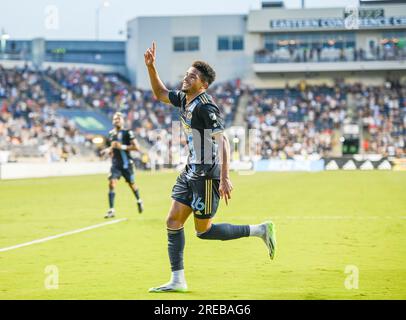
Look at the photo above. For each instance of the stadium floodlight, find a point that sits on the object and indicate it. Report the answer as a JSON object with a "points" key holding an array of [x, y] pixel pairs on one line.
{"points": [[98, 140], [105, 4]]}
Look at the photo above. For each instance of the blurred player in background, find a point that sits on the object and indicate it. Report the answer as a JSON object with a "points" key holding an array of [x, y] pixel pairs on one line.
{"points": [[206, 176], [121, 142]]}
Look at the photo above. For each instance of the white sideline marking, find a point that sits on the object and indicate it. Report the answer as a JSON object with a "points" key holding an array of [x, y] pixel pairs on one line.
{"points": [[62, 235]]}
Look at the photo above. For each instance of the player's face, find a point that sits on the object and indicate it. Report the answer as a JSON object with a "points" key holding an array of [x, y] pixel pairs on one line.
{"points": [[192, 82], [118, 121]]}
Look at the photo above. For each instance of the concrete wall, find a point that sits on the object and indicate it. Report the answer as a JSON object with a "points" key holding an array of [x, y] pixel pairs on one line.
{"points": [[41, 170], [329, 66], [259, 20], [239, 64], [173, 65], [8, 64], [279, 80]]}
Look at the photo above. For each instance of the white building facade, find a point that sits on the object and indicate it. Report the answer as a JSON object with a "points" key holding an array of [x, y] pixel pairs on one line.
{"points": [[275, 46], [182, 40]]}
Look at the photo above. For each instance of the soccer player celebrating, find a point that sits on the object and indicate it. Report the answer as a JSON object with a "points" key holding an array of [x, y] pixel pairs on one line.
{"points": [[121, 142], [206, 176]]}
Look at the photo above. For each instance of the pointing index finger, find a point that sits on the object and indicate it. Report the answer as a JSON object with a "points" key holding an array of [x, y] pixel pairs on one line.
{"points": [[153, 47]]}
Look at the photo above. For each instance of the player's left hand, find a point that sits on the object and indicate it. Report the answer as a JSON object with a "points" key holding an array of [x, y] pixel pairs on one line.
{"points": [[116, 145], [105, 152], [225, 189]]}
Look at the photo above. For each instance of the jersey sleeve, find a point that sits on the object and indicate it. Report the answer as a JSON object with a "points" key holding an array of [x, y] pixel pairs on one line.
{"points": [[211, 118], [131, 135], [176, 97]]}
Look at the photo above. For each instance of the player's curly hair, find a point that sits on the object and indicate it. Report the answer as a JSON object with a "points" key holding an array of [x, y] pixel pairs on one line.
{"points": [[207, 72], [118, 114]]}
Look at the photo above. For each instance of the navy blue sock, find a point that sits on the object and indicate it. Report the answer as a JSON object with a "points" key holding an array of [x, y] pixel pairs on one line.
{"points": [[225, 231], [112, 194], [176, 245], [137, 194]]}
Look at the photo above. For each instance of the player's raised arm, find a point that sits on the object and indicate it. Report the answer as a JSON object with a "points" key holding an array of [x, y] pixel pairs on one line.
{"points": [[159, 89]]}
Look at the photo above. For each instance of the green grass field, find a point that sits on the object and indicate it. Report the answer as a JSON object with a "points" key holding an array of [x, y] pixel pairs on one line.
{"points": [[325, 222]]}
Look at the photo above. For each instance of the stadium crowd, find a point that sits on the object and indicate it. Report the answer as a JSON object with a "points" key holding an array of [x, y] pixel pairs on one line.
{"points": [[385, 52], [382, 111], [291, 122], [306, 121], [28, 120], [150, 119], [110, 93], [29, 103]]}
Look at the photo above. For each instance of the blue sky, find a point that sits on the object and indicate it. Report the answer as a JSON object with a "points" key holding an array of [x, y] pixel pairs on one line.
{"points": [[76, 19]]}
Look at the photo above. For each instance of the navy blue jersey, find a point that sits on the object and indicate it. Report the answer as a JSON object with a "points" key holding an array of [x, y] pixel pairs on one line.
{"points": [[121, 158], [200, 119]]}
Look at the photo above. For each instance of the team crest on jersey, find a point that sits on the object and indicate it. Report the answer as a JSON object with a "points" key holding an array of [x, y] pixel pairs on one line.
{"points": [[212, 116], [186, 127]]}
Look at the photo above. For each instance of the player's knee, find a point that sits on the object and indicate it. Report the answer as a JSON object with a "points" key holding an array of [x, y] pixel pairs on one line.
{"points": [[112, 185], [203, 232], [203, 235], [200, 235], [173, 223]]}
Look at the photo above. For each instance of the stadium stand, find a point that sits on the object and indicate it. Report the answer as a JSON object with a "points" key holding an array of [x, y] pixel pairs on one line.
{"points": [[28, 122], [387, 50], [30, 99], [291, 122], [308, 120]]}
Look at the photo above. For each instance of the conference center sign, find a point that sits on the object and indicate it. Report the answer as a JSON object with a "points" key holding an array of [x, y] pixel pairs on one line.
{"points": [[336, 23]]}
